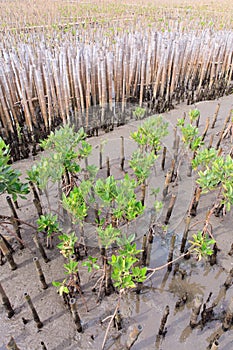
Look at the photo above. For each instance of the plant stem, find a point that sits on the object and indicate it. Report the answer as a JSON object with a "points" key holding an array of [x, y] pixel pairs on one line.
{"points": [[111, 320]]}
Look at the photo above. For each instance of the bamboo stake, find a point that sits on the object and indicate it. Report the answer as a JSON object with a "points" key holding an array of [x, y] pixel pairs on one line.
{"points": [[40, 272], [185, 234], [6, 252], [122, 153], [133, 336], [215, 116], [163, 158], [11, 345], [6, 303], [170, 209], [228, 320], [163, 321], [36, 318], [74, 311], [170, 254], [197, 303]]}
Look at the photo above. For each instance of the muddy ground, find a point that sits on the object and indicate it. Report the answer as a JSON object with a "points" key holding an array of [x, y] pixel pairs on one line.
{"points": [[163, 289]]}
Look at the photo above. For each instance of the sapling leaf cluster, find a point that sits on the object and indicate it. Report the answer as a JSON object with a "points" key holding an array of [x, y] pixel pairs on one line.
{"points": [[10, 182]]}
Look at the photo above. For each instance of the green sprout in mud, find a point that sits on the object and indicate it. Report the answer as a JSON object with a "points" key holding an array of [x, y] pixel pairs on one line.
{"points": [[75, 203], [204, 157], [71, 267], [142, 164], [139, 113], [193, 114], [67, 244], [66, 148], [149, 134], [219, 175], [190, 135], [10, 178], [202, 245], [119, 198], [62, 287], [91, 264], [124, 272], [49, 224], [190, 132], [107, 236]]}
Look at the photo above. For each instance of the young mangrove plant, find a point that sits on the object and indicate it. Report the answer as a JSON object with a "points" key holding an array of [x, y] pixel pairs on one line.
{"points": [[48, 223], [10, 182]]}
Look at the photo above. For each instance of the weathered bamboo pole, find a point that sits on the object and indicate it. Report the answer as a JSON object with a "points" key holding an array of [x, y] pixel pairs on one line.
{"points": [[41, 248], [6, 252], [163, 157], [11, 345], [170, 209], [75, 314], [163, 321], [185, 234], [133, 336], [215, 116], [15, 219], [6, 303], [36, 318], [170, 254], [197, 303], [122, 153], [40, 272], [167, 182], [228, 320]]}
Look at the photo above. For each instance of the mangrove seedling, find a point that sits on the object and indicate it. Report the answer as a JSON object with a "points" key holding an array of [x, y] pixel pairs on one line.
{"points": [[10, 178], [48, 223], [202, 245]]}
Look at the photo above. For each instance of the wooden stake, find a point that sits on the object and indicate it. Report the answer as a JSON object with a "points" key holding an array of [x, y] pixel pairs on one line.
{"points": [[12, 345], [40, 272], [215, 116], [229, 280], [170, 209], [15, 219], [206, 128], [108, 166], [185, 234], [74, 311], [36, 318], [144, 250], [41, 248], [133, 336], [163, 321], [228, 320], [197, 303], [6, 303], [122, 153], [167, 182], [163, 158], [170, 254], [6, 252]]}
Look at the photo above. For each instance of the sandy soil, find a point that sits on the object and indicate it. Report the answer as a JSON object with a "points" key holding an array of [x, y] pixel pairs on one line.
{"points": [[163, 289]]}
